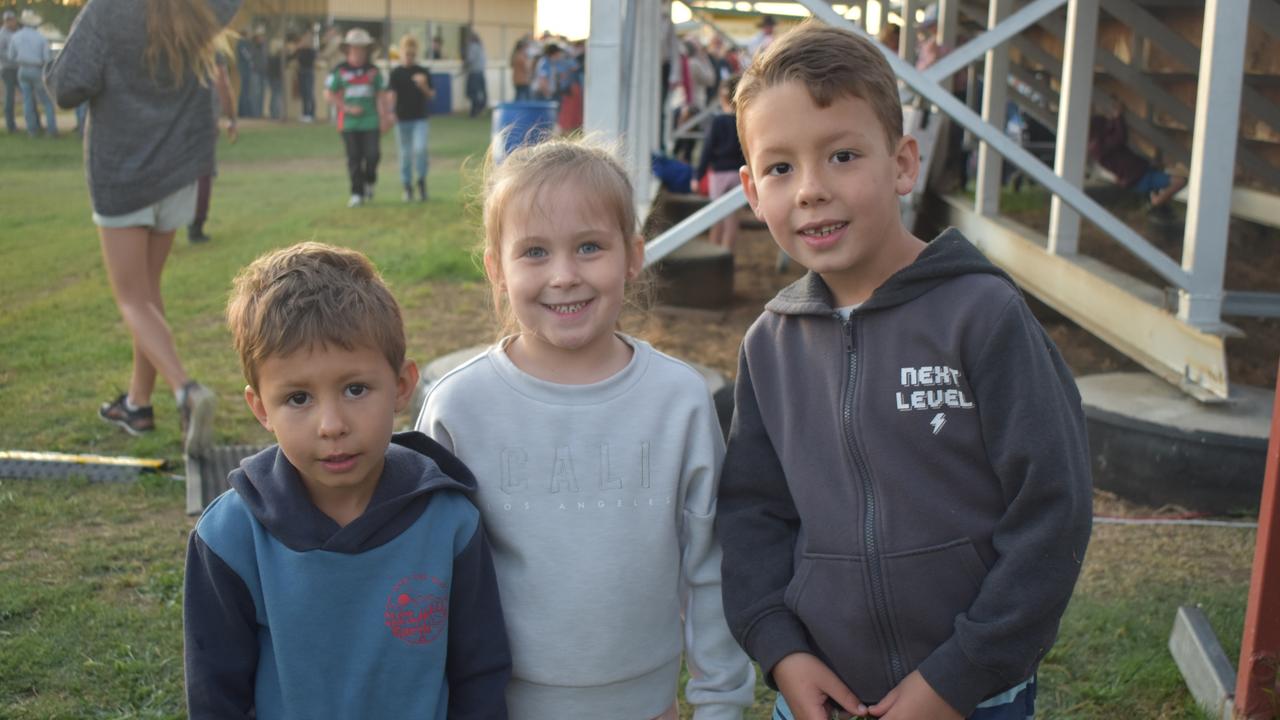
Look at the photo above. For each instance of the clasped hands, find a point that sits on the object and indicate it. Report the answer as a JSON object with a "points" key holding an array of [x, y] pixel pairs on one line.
{"points": [[814, 692]]}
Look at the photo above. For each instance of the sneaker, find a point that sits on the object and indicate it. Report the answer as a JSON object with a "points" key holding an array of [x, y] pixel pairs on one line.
{"points": [[408, 193], [195, 233], [422, 189], [308, 119], [195, 406], [135, 421], [368, 193], [355, 201]]}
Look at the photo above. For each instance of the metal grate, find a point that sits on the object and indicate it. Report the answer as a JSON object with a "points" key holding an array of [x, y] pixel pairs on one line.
{"points": [[56, 466], [207, 476]]}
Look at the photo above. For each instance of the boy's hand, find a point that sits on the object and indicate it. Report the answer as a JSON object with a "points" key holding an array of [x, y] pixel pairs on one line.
{"points": [[811, 688], [913, 698]]}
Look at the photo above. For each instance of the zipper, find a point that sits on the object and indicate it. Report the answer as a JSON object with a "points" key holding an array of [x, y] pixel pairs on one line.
{"points": [[870, 540]]}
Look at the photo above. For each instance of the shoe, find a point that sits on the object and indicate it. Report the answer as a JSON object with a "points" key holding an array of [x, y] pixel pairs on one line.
{"points": [[195, 407], [308, 119], [422, 189], [408, 193], [135, 422], [355, 201], [368, 193], [195, 233]]}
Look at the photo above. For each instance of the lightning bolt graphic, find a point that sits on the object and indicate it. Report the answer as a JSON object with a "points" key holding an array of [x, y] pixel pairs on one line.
{"points": [[938, 421]]}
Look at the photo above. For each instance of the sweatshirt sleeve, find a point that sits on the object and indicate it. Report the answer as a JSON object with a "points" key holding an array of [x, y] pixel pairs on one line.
{"points": [[479, 660], [1034, 432], [757, 526], [721, 679], [219, 625], [76, 74]]}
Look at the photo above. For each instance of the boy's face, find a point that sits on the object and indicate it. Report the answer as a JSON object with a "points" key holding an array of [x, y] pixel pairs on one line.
{"points": [[825, 180], [357, 54], [332, 412]]}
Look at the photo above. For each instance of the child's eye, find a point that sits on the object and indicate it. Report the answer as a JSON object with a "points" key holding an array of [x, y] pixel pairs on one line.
{"points": [[844, 156], [778, 169], [535, 252], [297, 399], [588, 248], [356, 390]]}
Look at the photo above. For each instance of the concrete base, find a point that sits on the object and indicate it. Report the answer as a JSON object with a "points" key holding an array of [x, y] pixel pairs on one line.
{"points": [[719, 386], [207, 475], [697, 274], [1204, 667], [1155, 445]]}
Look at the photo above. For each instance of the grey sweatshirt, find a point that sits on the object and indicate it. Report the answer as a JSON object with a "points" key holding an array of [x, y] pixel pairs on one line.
{"points": [[907, 490], [600, 502], [148, 137]]}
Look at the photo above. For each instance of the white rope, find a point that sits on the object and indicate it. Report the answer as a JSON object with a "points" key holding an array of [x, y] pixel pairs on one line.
{"points": [[1106, 520]]}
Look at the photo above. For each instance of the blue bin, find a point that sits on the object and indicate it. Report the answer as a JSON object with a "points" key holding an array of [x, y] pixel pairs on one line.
{"points": [[524, 123], [442, 103]]}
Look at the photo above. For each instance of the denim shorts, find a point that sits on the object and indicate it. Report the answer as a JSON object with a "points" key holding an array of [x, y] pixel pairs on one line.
{"points": [[1017, 703], [175, 211], [1151, 181]]}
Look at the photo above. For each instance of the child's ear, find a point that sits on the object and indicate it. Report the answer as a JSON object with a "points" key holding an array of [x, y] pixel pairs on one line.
{"points": [[257, 407], [749, 187], [635, 256], [493, 270], [406, 382], [907, 160]]}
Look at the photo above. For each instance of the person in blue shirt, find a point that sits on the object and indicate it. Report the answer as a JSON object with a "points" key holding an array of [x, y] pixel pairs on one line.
{"points": [[345, 573]]}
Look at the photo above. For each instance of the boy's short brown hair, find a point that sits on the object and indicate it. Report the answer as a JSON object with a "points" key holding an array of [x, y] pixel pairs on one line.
{"points": [[296, 297], [831, 63]]}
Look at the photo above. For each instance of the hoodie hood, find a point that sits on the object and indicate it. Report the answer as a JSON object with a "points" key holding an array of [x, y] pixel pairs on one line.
{"points": [[949, 255], [416, 466]]}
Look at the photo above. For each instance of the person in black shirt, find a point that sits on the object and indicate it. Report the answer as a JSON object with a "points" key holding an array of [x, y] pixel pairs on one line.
{"points": [[411, 91], [305, 57]]}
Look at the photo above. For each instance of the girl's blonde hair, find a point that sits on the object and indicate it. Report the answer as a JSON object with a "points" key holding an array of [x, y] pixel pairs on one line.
{"points": [[408, 41], [180, 38], [514, 187]]}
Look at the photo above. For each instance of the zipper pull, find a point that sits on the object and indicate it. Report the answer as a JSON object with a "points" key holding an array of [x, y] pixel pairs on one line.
{"points": [[848, 335]]}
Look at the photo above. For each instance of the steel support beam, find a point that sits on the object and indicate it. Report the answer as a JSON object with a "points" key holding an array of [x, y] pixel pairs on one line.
{"points": [[694, 225], [907, 40], [1073, 120], [948, 23], [995, 94], [973, 50], [1213, 154], [1251, 304], [1079, 288], [602, 95], [1036, 170]]}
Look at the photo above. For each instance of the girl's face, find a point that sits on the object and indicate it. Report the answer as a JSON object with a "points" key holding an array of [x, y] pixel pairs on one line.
{"points": [[564, 276]]}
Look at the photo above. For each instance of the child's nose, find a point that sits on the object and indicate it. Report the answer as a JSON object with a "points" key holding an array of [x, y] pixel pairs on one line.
{"points": [[564, 272], [333, 422], [812, 190]]}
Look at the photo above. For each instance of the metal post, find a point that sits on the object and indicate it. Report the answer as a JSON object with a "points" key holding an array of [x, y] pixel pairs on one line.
{"points": [[1073, 120], [1213, 158], [948, 23], [1260, 647], [907, 40], [603, 92], [995, 80]]}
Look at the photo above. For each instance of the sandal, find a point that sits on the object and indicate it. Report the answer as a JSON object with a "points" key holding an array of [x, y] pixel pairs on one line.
{"points": [[135, 422]]}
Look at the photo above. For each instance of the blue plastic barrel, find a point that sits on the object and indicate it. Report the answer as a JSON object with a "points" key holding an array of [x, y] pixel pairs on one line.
{"points": [[521, 123], [442, 103]]}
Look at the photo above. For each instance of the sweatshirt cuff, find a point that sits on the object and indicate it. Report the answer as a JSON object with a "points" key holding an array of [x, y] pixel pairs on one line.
{"points": [[958, 680], [773, 637], [717, 711]]}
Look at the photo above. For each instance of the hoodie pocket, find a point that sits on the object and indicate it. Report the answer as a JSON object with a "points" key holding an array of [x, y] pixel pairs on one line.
{"points": [[928, 588], [829, 595]]}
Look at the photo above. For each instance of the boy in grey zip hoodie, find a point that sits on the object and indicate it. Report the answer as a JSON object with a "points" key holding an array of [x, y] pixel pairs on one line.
{"points": [[906, 499]]}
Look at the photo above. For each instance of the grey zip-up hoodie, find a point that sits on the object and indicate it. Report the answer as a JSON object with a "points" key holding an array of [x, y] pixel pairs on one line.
{"points": [[907, 490]]}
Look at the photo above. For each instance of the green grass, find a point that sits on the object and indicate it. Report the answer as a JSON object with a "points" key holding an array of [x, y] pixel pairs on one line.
{"points": [[90, 574]]}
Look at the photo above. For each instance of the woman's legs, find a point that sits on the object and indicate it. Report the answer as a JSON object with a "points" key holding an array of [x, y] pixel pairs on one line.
{"points": [[135, 259], [420, 136], [405, 148]]}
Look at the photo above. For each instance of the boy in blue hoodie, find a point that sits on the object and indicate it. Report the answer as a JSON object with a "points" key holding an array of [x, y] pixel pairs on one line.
{"points": [[345, 573], [905, 501]]}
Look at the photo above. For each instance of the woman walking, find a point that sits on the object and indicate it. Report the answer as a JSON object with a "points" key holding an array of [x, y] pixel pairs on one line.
{"points": [[146, 68]]}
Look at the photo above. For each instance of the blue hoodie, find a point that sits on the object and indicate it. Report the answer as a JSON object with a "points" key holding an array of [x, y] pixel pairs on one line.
{"points": [[288, 615]]}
